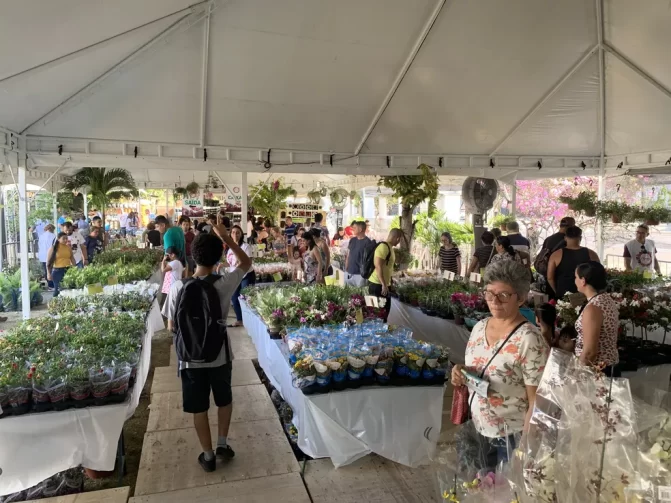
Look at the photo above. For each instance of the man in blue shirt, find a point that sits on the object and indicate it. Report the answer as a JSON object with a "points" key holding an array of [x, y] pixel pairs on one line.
{"points": [[289, 228], [62, 219]]}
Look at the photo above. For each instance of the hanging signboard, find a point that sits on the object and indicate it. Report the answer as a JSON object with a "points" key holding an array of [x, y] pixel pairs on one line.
{"points": [[192, 205], [232, 198]]}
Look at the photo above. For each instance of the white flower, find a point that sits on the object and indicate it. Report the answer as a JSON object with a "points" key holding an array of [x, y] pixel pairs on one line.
{"points": [[635, 303], [616, 295], [645, 299], [578, 309], [658, 293]]}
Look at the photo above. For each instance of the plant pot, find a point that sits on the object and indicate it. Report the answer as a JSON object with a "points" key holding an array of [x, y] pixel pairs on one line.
{"points": [[591, 212], [459, 320], [97, 474], [651, 221], [616, 219], [571, 206]]}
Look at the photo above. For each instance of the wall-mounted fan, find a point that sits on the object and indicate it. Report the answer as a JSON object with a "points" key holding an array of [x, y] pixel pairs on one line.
{"points": [[479, 194]]}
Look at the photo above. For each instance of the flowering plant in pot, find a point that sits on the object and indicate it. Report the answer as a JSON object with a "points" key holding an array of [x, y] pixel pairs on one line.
{"points": [[652, 215]]}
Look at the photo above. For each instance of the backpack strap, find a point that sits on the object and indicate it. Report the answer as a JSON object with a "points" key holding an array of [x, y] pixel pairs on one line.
{"points": [[388, 249]]}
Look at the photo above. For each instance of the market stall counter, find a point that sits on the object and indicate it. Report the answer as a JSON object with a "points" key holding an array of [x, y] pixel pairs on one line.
{"points": [[431, 329], [38, 445], [399, 423]]}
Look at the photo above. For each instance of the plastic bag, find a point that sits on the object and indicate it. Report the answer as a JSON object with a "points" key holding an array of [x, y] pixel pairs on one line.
{"points": [[475, 468], [356, 359], [321, 357]]}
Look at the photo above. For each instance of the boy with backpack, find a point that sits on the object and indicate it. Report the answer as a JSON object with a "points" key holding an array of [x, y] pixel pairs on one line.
{"points": [[196, 310], [378, 266]]}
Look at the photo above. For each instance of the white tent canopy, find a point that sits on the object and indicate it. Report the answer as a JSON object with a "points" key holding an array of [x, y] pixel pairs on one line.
{"points": [[379, 84]]}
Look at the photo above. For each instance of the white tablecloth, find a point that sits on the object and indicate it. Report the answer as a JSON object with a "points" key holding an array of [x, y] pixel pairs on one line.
{"points": [[34, 447], [399, 423], [431, 329]]}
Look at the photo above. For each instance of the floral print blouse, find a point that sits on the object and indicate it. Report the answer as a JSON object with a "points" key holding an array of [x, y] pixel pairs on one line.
{"points": [[519, 363]]}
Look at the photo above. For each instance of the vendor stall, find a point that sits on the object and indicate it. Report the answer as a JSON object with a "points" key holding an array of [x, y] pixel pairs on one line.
{"points": [[431, 328], [398, 423]]}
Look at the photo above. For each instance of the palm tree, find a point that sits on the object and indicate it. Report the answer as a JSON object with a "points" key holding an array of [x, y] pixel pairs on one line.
{"points": [[103, 185]]}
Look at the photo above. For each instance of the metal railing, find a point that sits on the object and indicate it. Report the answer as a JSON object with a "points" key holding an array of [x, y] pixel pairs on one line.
{"points": [[11, 252], [617, 262]]}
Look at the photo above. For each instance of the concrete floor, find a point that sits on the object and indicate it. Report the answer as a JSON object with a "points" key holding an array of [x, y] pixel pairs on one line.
{"points": [[265, 468]]}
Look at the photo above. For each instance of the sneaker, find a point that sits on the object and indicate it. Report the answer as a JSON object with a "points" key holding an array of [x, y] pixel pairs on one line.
{"points": [[208, 466], [225, 453]]}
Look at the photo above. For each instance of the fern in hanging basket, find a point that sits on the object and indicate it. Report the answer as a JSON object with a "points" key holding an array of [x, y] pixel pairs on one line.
{"points": [[338, 197], [584, 202], [616, 211], [314, 196], [178, 193], [192, 188]]}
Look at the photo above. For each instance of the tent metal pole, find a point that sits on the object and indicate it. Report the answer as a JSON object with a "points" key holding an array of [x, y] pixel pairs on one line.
{"points": [[203, 84], [2, 227], [602, 123], [513, 202], [86, 205], [243, 203], [23, 232], [54, 192], [401, 74], [167, 211]]}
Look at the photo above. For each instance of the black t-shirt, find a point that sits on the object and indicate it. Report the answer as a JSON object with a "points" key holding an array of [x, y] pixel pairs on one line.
{"points": [[154, 237], [555, 242]]}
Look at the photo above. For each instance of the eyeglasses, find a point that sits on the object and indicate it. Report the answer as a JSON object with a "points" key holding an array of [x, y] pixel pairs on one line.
{"points": [[502, 297]]}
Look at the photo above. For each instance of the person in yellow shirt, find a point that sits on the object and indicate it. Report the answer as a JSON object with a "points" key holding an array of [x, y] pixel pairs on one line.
{"points": [[59, 259], [379, 282]]}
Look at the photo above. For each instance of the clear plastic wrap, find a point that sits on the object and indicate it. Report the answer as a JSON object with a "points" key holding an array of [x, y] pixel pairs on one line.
{"points": [[475, 468], [582, 444]]}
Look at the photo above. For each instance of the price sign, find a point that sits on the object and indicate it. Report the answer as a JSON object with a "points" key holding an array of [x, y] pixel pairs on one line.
{"points": [[94, 288], [277, 276], [647, 274], [449, 275], [112, 280], [359, 316], [371, 301], [475, 277]]}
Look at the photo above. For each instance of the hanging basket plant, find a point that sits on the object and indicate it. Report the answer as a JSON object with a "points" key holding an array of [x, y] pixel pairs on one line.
{"points": [[584, 202], [314, 196], [193, 188], [338, 197], [179, 193], [616, 211], [653, 215]]}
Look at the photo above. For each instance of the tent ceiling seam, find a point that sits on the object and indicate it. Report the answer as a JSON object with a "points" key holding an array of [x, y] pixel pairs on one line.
{"points": [[66, 57], [572, 71], [637, 69], [428, 26], [164, 33]]}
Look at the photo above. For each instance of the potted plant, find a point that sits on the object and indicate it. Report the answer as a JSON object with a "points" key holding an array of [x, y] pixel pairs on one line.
{"points": [[584, 202], [615, 210], [501, 221], [656, 214]]}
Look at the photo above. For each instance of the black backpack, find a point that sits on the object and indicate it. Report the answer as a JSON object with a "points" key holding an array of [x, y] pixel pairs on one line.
{"points": [[368, 257], [198, 335]]}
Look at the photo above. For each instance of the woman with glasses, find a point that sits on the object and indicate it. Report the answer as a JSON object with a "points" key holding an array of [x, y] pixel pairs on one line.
{"points": [[509, 353], [562, 263], [598, 322]]}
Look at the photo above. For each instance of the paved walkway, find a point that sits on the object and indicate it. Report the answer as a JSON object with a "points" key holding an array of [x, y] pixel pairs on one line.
{"points": [[265, 468]]}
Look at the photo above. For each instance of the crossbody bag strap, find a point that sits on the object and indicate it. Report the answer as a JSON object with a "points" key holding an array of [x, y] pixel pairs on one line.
{"points": [[491, 254], [484, 369]]}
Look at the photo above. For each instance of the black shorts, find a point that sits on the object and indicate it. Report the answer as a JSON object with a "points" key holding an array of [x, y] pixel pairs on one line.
{"points": [[197, 383]]}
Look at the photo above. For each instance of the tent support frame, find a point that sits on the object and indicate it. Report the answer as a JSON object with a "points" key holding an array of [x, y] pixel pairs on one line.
{"points": [[203, 84], [601, 191]]}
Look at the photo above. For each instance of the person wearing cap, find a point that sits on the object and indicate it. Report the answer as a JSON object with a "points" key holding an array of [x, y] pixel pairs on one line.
{"points": [[558, 239]]}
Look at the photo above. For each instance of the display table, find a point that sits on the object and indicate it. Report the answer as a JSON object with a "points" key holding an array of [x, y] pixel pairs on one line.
{"points": [[33, 447], [431, 329], [399, 423]]}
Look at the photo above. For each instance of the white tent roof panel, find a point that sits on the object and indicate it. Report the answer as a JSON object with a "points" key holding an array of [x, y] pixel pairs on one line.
{"points": [[35, 32], [30, 96], [154, 98], [519, 78], [482, 67]]}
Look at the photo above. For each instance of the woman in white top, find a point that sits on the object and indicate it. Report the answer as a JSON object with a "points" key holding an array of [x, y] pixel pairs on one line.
{"points": [[44, 242], [249, 278]]}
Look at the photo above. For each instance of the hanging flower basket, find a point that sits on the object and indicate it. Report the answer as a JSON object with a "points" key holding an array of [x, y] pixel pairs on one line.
{"points": [[651, 221], [616, 219], [590, 212]]}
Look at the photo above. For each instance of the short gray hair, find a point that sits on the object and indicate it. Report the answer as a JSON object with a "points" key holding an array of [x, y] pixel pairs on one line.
{"points": [[511, 273], [513, 226]]}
